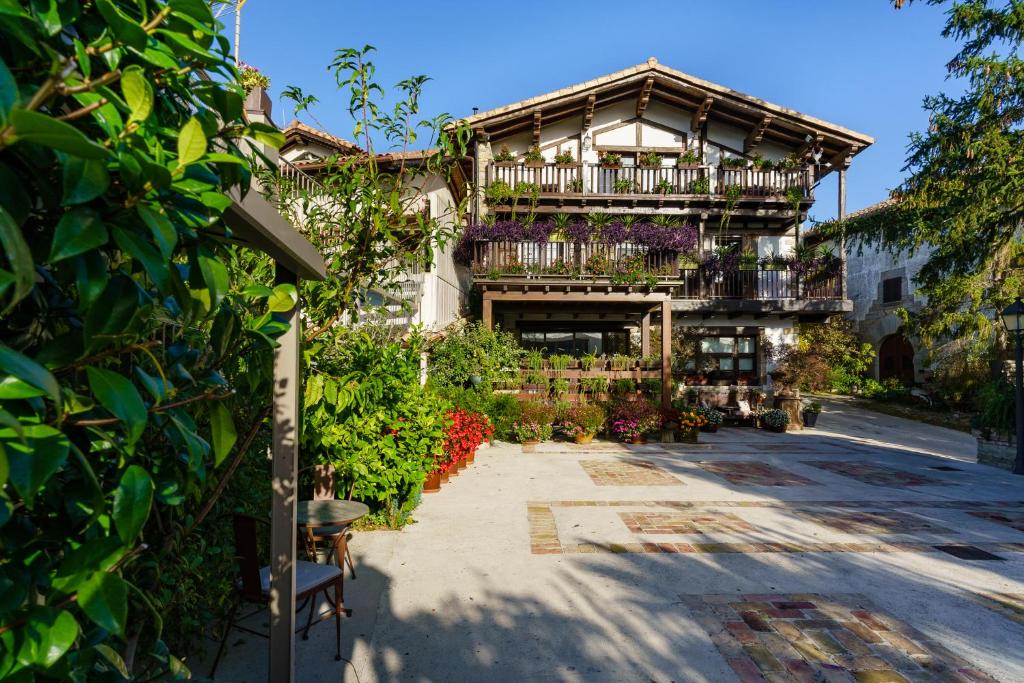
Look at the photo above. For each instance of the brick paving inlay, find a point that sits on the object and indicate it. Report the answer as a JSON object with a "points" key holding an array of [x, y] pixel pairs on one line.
{"points": [[1014, 520], [871, 522], [682, 522], [811, 637], [1010, 605], [876, 475], [632, 473], [753, 473]]}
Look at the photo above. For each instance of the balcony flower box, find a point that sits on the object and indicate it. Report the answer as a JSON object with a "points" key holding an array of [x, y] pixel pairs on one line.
{"points": [[505, 164], [572, 164], [534, 164]]}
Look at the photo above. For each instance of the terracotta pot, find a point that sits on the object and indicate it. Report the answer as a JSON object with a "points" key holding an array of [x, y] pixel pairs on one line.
{"points": [[453, 470], [582, 439], [638, 440], [462, 464], [472, 456], [445, 476], [432, 484]]}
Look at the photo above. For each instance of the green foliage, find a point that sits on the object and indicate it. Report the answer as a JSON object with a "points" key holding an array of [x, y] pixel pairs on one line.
{"points": [[961, 198], [474, 349], [504, 411], [560, 362], [130, 350], [890, 389], [996, 407], [846, 358]]}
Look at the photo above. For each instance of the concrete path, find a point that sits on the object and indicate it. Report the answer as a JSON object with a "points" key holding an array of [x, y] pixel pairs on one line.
{"points": [[752, 556]]}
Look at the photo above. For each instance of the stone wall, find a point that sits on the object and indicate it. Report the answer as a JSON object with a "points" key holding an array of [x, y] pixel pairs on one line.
{"points": [[996, 453]]}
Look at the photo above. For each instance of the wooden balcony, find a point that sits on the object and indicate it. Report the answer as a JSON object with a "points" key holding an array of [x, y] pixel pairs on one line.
{"points": [[546, 265], [511, 183]]}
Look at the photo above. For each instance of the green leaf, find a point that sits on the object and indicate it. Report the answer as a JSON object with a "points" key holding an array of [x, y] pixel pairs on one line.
{"points": [[20, 258], [97, 555], [191, 142], [33, 461], [164, 234], [265, 134], [283, 299], [12, 388], [90, 276], [122, 26], [108, 653], [27, 370], [120, 397], [8, 91], [47, 636], [104, 599], [222, 158], [84, 180], [77, 231], [49, 16], [113, 313], [156, 268], [30, 126], [224, 435], [215, 275], [138, 93], [132, 502], [197, 9]]}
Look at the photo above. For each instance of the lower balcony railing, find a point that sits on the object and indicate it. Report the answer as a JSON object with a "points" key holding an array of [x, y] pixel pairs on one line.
{"points": [[633, 264]]}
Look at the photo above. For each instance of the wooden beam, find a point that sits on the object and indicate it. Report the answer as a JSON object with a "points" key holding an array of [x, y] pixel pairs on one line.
{"points": [[666, 354], [536, 126], [842, 160], [588, 112], [809, 146], [645, 334], [755, 136], [645, 96], [700, 116], [585, 297]]}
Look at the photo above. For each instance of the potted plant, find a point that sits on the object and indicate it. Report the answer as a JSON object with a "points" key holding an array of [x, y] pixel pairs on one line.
{"points": [[649, 160], [595, 385], [533, 157], [688, 262], [631, 421], [623, 186], [810, 413], [773, 419], [624, 386], [566, 159], [652, 360], [583, 421], [504, 157], [734, 162], [621, 362], [560, 386], [664, 186], [688, 159], [748, 260], [535, 360], [536, 381], [687, 424], [560, 363], [530, 433], [534, 424], [700, 186], [789, 163], [611, 160], [713, 419], [574, 185], [587, 360]]}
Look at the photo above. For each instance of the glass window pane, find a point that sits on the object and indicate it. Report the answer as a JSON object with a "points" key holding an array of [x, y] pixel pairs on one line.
{"points": [[747, 344], [559, 342], [588, 342], [746, 364], [532, 339], [718, 344], [728, 344], [725, 363]]}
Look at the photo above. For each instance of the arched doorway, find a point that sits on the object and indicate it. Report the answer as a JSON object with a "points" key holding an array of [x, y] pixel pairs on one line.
{"points": [[896, 359]]}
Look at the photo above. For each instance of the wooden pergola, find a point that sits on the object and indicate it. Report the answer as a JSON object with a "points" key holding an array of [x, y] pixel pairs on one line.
{"points": [[255, 223], [645, 301]]}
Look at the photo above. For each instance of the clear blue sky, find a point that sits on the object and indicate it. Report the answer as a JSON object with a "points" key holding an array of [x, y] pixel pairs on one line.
{"points": [[858, 63]]}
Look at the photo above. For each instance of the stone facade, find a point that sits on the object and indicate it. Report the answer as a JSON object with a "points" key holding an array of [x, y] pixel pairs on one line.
{"points": [[996, 453]]}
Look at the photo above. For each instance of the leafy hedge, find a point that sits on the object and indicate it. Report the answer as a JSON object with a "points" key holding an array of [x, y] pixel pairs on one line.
{"points": [[133, 367]]}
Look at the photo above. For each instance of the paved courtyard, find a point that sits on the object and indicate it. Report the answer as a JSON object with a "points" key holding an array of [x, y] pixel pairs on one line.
{"points": [[871, 549]]}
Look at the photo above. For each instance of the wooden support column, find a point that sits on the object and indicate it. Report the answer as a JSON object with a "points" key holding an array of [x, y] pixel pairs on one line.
{"points": [[666, 353], [488, 312], [285, 454], [645, 334], [841, 215]]}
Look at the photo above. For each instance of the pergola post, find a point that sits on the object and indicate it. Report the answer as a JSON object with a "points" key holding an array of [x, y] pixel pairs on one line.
{"points": [[645, 334], [841, 215], [666, 353], [488, 305], [287, 391]]}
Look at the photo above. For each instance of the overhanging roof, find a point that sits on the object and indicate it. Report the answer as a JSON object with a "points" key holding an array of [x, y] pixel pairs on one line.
{"points": [[656, 81], [255, 221]]}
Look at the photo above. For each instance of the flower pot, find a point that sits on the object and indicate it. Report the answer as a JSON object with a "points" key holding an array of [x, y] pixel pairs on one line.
{"points": [[475, 379], [611, 166], [432, 484], [534, 164], [810, 419], [777, 430], [582, 439], [572, 165], [462, 464], [453, 470], [638, 440], [471, 457], [711, 429], [687, 436]]}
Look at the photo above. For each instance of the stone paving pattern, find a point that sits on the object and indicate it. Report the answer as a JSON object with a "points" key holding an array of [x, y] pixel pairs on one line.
{"points": [[1014, 520], [1010, 605], [753, 473], [682, 522], [876, 475], [871, 522], [632, 473], [812, 637]]}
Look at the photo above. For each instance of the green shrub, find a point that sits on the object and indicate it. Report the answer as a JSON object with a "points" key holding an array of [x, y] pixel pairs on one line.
{"points": [[537, 411], [996, 407], [473, 349], [504, 411], [842, 381]]}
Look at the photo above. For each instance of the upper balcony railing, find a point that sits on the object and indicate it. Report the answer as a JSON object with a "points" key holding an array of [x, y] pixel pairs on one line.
{"points": [[626, 263], [507, 182]]}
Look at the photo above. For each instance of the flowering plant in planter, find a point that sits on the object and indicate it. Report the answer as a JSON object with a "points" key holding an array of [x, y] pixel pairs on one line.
{"points": [[774, 419], [566, 157], [251, 78], [467, 431], [713, 418], [631, 420], [582, 421], [504, 155], [528, 430]]}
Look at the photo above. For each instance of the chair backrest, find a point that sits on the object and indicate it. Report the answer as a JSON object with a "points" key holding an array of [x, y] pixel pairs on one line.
{"points": [[744, 407], [247, 550]]}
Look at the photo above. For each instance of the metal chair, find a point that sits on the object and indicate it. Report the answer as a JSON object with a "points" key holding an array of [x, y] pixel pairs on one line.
{"points": [[253, 586], [336, 538]]}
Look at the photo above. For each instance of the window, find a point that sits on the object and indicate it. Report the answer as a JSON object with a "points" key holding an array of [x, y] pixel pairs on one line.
{"points": [[576, 343], [892, 290], [723, 359]]}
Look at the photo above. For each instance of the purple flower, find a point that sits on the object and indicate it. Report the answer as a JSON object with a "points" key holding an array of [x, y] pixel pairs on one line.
{"points": [[578, 231], [614, 233], [539, 231]]}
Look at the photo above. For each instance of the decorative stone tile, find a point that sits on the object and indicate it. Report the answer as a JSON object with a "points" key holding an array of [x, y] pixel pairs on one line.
{"points": [[822, 638], [876, 475], [682, 522], [746, 473], [1013, 520], [872, 522], [1010, 605], [627, 473]]}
